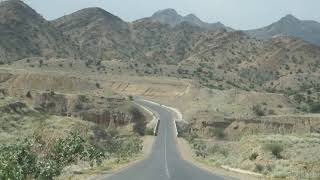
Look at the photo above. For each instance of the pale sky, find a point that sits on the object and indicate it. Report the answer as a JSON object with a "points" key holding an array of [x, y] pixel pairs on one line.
{"points": [[238, 14]]}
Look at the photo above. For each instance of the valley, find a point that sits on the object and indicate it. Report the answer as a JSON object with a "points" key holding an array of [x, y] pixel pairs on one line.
{"points": [[248, 101]]}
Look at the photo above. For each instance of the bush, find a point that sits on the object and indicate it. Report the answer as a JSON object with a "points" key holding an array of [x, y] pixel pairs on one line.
{"points": [[27, 161], [200, 149], [17, 161], [219, 133], [129, 147], [28, 95], [139, 121], [275, 149], [149, 132], [257, 109], [121, 147], [218, 149], [315, 108], [98, 86], [253, 156], [258, 168]]}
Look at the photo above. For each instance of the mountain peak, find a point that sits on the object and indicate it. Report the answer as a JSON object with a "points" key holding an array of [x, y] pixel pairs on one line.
{"points": [[88, 15], [172, 18], [167, 16], [290, 18], [192, 17], [167, 12], [94, 11]]}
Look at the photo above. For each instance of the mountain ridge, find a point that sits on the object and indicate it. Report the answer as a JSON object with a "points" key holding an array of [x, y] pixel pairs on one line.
{"points": [[173, 18], [290, 26]]}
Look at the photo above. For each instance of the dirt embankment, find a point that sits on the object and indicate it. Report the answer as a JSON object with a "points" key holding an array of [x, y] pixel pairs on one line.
{"points": [[149, 86], [107, 111], [43, 82], [285, 124], [67, 95]]}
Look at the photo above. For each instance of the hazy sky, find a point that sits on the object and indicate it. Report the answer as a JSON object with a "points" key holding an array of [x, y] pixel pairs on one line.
{"points": [[239, 14]]}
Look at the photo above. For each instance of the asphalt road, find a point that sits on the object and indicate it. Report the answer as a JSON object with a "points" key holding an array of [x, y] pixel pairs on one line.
{"points": [[165, 162]]}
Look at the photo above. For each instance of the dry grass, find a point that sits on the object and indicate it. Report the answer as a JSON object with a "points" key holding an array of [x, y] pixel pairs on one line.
{"points": [[298, 157]]}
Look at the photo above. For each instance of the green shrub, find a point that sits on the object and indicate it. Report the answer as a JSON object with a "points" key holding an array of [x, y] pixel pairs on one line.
{"points": [[28, 95], [200, 149], [219, 133], [217, 149], [139, 121], [27, 161], [17, 161], [275, 149], [149, 132], [121, 147], [315, 108], [253, 156], [98, 86], [257, 109], [258, 168]]}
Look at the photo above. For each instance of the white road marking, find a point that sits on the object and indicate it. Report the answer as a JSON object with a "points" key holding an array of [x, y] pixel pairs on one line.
{"points": [[165, 154]]}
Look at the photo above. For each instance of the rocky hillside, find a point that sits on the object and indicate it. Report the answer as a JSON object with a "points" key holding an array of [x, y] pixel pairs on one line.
{"points": [[172, 18], [290, 26], [24, 33], [216, 58], [100, 34]]}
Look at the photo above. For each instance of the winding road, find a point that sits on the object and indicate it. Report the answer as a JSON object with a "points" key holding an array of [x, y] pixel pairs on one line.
{"points": [[165, 162]]}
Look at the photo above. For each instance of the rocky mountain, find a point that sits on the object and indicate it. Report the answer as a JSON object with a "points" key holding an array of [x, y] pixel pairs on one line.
{"points": [[290, 26], [171, 17], [103, 36], [24, 33], [99, 34], [216, 57]]}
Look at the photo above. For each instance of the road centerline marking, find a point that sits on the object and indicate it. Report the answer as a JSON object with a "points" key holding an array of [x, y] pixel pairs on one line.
{"points": [[165, 154]]}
